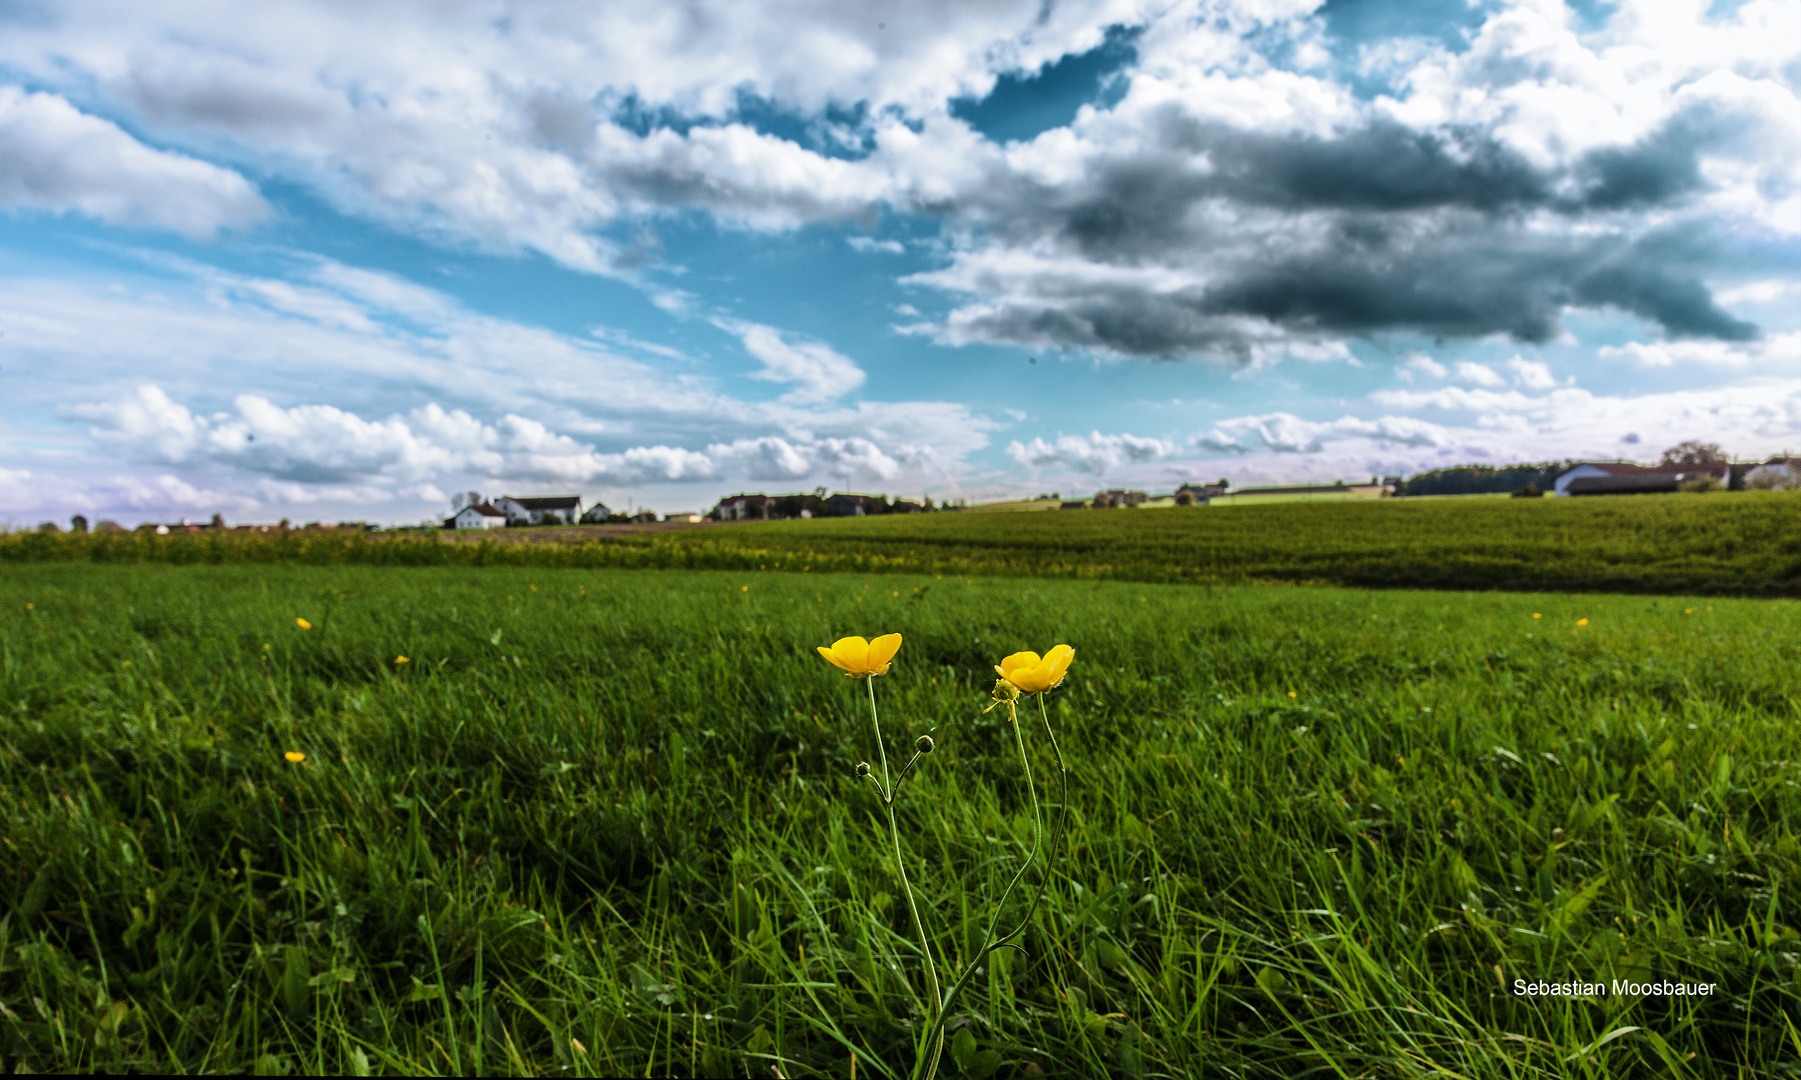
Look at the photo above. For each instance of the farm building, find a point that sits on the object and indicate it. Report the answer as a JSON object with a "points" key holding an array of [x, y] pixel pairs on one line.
{"points": [[541, 509], [1778, 470], [1625, 478], [596, 514], [743, 508], [476, 516], [844, 505]]}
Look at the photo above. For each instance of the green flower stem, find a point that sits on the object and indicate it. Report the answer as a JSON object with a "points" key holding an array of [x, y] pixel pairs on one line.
{"points": [[900, 864], [1008, 940]]}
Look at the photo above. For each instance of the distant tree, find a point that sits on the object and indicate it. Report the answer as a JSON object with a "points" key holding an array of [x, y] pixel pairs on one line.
{"points": [[1184, 498], [1693, 452], [1102, 501], [1530, 491], [1702, 484], [50, 526], [464, 498], [78, 524], [218, 522]]}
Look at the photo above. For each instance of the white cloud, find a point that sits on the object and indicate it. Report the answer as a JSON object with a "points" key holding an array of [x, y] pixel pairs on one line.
{"points": [[819, 373], [1479, 374], [313, 453], [1093, 453], [869, 244], [1531, 374], [1751, 418], [53, 157], [1285, 433], [1422, 365], [1771, 352]]}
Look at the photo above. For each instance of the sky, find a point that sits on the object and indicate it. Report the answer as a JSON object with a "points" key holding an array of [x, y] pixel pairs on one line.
{"points": [[316, 260]]}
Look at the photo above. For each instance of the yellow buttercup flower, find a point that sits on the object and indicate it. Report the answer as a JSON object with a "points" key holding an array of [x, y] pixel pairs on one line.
{"points": [[295, 756], [303, 624], [400, 660], [1033, 673], [1581, 622], [859, 658]]}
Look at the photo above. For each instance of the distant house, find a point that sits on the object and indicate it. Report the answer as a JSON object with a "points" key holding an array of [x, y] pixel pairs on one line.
{"points": [[847, 505], [902, 506], [644, 517], [1625, 478], [688, 516], [540, 509], [476, 516], [596, 514], [1121, 497], [743, 508], [1781, 469]]}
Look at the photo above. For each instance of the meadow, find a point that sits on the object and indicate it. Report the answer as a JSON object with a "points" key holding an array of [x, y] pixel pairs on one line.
{"points": [[606, 822], [1742, 543]]}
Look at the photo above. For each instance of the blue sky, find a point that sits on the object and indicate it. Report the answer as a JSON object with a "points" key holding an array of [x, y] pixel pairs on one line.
{"points": [[326, 262]]}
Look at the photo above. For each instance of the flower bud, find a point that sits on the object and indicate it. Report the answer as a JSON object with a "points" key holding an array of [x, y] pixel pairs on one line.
{"points": [[924, 745], [862, 769]]}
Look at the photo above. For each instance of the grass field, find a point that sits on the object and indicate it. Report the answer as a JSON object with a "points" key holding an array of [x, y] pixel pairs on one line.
{"points": [[1740, 543], [605, 822]]}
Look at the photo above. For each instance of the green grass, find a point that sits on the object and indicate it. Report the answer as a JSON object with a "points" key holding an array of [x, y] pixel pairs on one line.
{"points": [[1740, 543], [610, 825]]}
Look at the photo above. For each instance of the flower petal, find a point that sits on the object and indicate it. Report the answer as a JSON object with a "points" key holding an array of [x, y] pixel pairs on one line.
{"points": [[1058, 660], [1018, 660], [853, 653], [882, 650], [1031, 680], [831, 656]]}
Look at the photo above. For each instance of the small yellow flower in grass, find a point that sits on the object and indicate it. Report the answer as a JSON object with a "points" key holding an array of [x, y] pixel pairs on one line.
{"points": [[1688, 611], [295, 756], [1536, 615], [401, 660], [1581, 622], [303, 624], [1291, 693], [744, 588], [859, 657], [1034, 674]]}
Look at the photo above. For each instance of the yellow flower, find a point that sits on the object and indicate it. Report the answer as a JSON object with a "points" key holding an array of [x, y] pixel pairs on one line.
{"points": [[400, 660], [303, 624], [858, 657], [1581, 622], [1291, 693], [1536, 615], [295, 756], [1032, 673]]}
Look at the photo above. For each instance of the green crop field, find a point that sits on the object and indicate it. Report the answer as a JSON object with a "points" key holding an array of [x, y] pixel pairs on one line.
{"points": [[605, 822], [1745, 543]]}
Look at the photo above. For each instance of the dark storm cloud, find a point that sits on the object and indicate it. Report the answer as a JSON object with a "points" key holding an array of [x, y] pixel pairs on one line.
{"points": [[1377, 229]]}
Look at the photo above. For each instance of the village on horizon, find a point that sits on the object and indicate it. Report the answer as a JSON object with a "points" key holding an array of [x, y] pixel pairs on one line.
{"points": [[1688, 467]]}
